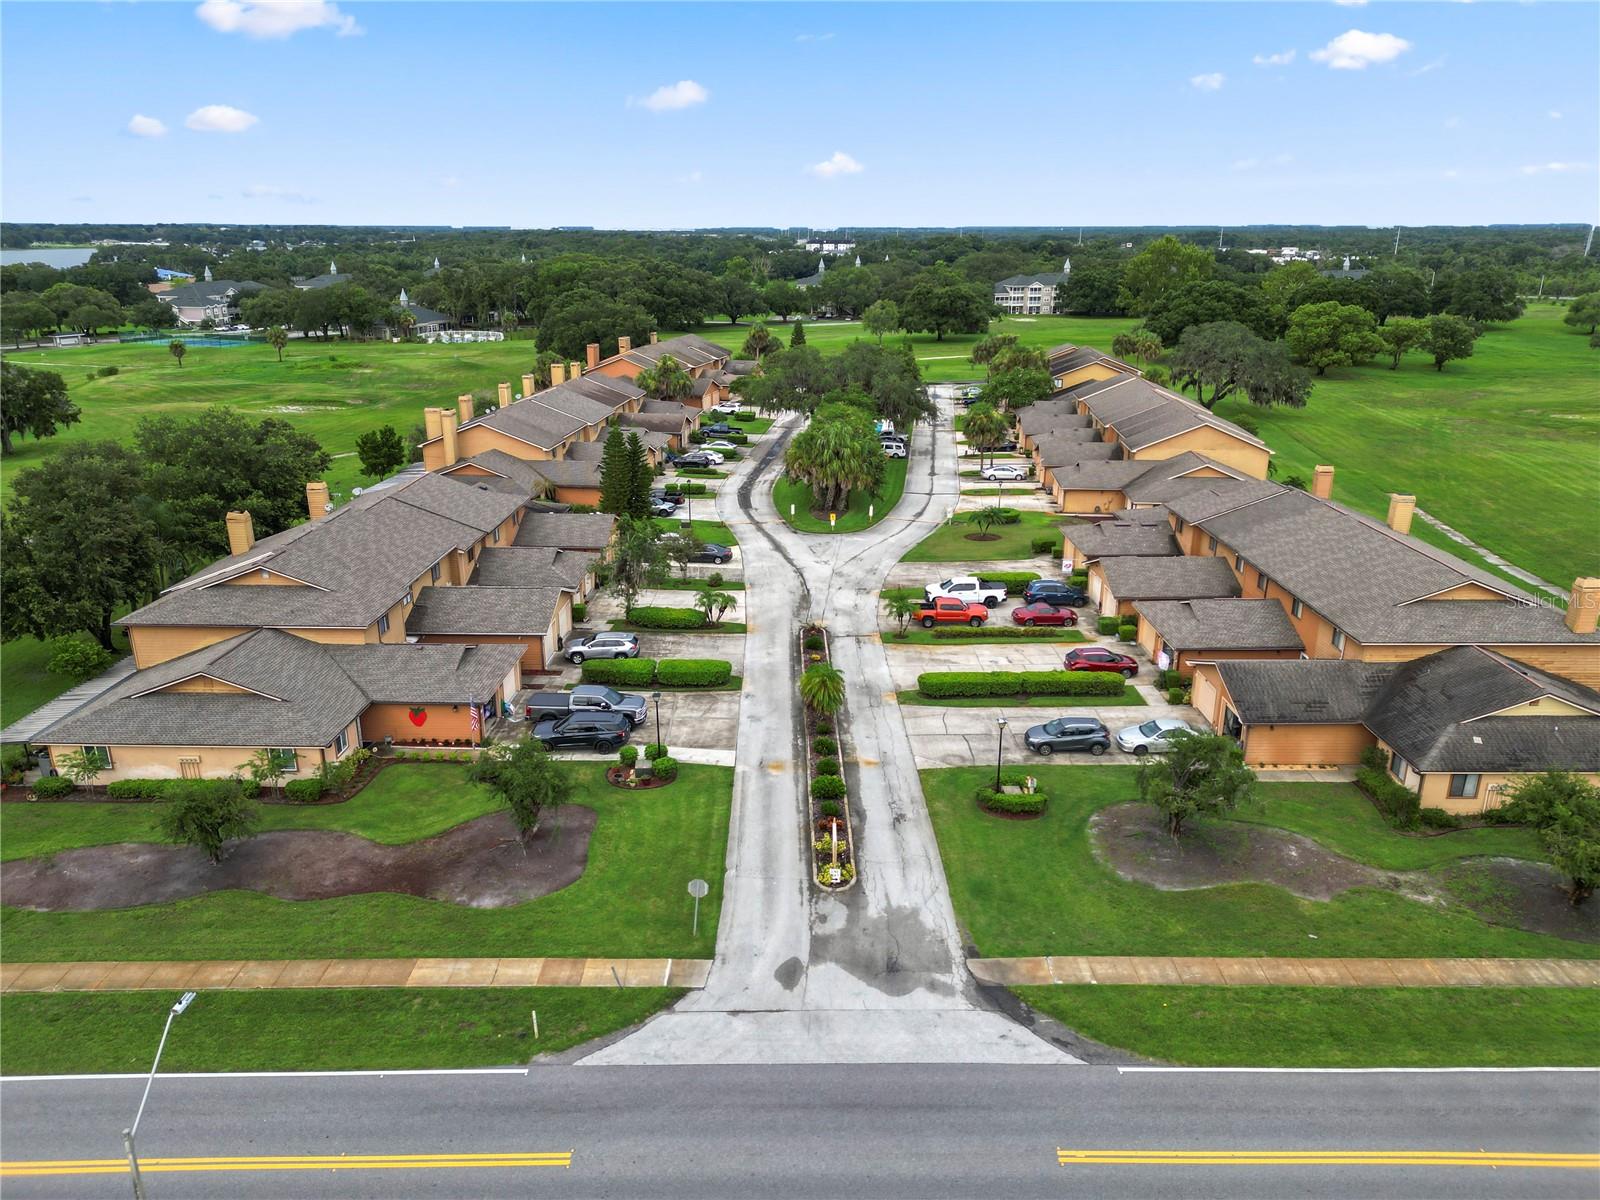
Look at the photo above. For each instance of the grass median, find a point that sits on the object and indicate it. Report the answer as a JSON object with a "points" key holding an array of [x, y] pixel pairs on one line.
{"points": [[959, 540], [1130, 698], [786, 494]]}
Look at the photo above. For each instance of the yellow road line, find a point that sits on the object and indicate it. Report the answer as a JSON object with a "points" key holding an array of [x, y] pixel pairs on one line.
{"points": [[301, 1162], [1327, 1158]]}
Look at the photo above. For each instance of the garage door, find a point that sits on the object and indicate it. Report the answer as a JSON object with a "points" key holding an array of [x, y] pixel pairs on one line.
{"points": [[1094, 588], [1205, 697]]}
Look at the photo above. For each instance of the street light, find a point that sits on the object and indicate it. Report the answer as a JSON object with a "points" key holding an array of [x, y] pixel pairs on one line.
{"points": [[999, 750], [656, 696], [127, 1134]]}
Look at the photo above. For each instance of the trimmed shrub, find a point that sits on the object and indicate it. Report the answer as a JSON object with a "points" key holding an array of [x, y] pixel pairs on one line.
{"points": [[1437, 818], [823, 725], [1007, 516], [1015, 581], [303, 791], [1374, 759], [957, 633], [687, 487], [1045, 545], [1011, 802], [830, 808], [664, 768], [1108, 625], [693, 672], [827, 787], [628, 756], [1398, 803], [703, 472], [654, 751], [580, 612], [1174, 678], [1177, 696], [826, 766], [1128, 633], [940, 685], [53, 787], [620, 672], [714, 581], [814, 641], [825, 746], [651, 617], [1079, 579]]}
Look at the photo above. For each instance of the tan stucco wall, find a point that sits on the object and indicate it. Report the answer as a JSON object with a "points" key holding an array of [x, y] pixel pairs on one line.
{"points": [[1434, 790], [1083, 374], [578, 495], [443, 723], [1216, 444], [1077, 501], [480, 438], [1305, 745], [206, 684], [152, 644], [216, 762], [533, 657], [260, 576]]}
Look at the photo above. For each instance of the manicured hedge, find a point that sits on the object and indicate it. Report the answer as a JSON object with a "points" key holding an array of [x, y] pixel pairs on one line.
{"points": [[703, 472], [1029, 803], [1128, 633], [693, 672], [654, 617], [53, 787], [1046, 545], [1079, 579], [1109, 625], [687, 487], [654, 751], [620, 672], [825, 746], [1015, 581], [827, 787], [827, 766], [139, 789], [664, 768], [941, 685], [303, 791], [580, 612], [1399, 804], [990, 633]]}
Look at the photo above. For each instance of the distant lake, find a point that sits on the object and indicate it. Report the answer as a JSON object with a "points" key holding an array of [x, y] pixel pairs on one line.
{"points": [[69, 256]]}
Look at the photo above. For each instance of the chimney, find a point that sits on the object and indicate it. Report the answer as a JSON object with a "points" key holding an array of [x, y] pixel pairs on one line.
{"points": [[624, 344], [594, 355], [558, 373], [574, 370], [449, 438], [1400, 510], [1322, 483], [505, 394], [431, 423], [653, 337], [463, 409], [317, 499], [241, 532], [1583, 608], [530, 384]]}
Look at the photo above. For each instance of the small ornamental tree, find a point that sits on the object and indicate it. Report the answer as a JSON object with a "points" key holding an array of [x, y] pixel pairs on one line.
{"points": [[526, 778], [881, 317], [78, 658], [901, 610], [208, 814], [985, 518], [177, 349], [822, 688], [1201, 774], [1583, 314], [713, 605], [265, 769], [381, 451], [797, 335], [83, 767]]}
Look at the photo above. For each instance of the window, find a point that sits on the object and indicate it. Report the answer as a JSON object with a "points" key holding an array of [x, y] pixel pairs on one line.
{"points": [[1297, 609], [1464, 787], [434, 574], [1211, 545], [100, 755], [1238, 563], [496, 534], [342, 742], [383, 624], [1261, 581], [1338, 640], [1398, 766], [286, 760], [1177, 525], [405, 601]]}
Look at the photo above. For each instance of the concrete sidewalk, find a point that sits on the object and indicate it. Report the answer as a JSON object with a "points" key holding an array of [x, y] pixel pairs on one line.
{"points": [[1290, 972], [244, 974]]}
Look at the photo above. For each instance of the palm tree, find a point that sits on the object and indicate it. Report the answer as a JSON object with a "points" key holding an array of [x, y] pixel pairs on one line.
{"points": [[177, 349], [667, 380], [713, 604], [985, 519], [984, 428], [822, 688], [278, 338], [836, 454], [901, 610], [760, 343], [1125, 345], [1148, 345], [985, 351]]}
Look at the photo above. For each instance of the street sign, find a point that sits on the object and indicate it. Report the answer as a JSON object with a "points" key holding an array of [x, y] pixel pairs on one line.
{"points": [[698, 888]]}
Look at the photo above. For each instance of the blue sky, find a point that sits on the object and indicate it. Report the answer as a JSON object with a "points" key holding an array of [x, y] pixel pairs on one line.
{"points": [[673, 115]]}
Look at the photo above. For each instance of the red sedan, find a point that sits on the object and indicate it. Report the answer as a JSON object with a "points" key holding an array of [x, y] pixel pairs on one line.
{"points": [[1097, 658], [1042, 613]]}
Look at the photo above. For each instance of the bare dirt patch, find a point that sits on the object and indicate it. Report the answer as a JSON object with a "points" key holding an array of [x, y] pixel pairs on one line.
{"points": [[480, 863]]}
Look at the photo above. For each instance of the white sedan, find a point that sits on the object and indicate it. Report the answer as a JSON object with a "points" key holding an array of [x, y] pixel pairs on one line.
{"points": [[716, 459], [1005, 471], [1151, 737], [719, 444]]}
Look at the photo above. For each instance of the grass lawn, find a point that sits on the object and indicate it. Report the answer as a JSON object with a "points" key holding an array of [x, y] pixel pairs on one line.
{"points": [[1035, 887], [704, 531], [694, 584], [918, 636], [720, 627], [952, 541], [1130, 697], [630, 901], [752, 425], [404, 803], [1336, 1027], [786, 494], [341, 1029], [25, 680]]}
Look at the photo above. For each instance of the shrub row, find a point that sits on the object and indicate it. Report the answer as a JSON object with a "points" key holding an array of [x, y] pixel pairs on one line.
{"points": [[162, 789], [958, 633], [52, 787], [1046, 545], [655, 617], [687, 487], [1108, 625], [1437, 818], [827, 787], [668, 672], [703, 472], [1015, 581], [1011, 802], [1398, 803], [938, 685], [619, 672], [303, 791], [824, 746], [1128, 633]]}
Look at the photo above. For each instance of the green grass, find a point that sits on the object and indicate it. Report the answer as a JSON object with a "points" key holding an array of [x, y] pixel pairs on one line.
{"points": [[918, 636], [787, 493], [950, 542], [25, 679], [1130, 697], [754, 426], [695, 584], [1035, 887], [720, 627], [1334, 1027], [630, 901], [404, 803], [704, 531], [341, 1029]]}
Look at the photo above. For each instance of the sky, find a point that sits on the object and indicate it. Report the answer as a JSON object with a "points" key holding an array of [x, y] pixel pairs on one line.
{"points": [[830, 116]]}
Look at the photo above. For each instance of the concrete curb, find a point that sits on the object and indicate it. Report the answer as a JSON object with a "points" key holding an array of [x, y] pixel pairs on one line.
{"points": [[1287, 972]]}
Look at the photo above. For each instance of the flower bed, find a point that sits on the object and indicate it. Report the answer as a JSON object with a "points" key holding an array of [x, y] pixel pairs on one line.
{"points": [[832, 836], [1028, 802]]}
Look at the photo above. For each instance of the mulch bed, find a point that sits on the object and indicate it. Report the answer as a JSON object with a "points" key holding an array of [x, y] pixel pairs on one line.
{"points": [[633, 782], [481, 863]]}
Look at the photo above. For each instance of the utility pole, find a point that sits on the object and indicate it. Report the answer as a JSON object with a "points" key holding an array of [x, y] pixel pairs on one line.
{"points": [[1588, 242], [1219, 237], [1396, 253]]}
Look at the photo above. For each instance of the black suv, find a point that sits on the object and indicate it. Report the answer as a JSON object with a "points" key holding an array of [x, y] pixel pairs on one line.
{"points": [[601, 731], [1053, 591], [718, 427], [1069, 733]]}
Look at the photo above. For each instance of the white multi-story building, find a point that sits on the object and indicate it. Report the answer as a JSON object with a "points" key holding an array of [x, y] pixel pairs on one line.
{"points": [[1032, 295]]}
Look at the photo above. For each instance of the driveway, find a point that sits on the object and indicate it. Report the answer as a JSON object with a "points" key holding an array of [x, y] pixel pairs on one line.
{"points": [[966, 737]]}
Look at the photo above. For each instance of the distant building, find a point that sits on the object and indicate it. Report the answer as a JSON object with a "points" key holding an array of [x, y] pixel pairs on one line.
{"points": [[215, 300], [1033, 295], [813, 280], [425, 322], [1347, 271], [171, 273], [331, 277], [819, 245]]}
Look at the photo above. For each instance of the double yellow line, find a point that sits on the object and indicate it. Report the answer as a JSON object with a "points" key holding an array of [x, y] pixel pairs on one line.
{"points": [[1326, 1158], [288, 1162]]}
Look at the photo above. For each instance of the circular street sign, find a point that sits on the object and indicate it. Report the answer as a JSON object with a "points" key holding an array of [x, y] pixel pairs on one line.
{"points": [[698, 888]]}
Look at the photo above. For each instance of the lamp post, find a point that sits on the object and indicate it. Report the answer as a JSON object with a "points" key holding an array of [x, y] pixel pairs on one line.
{"points": [[127, 1134], [656, 696], [999, 750]]}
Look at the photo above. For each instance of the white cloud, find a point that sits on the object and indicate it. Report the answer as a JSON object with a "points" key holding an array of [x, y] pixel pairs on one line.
{"points": [[268, 191], [1274, 60], [1555, 114], [1554, 168], [813, 37], [148, 127], [1351, 3], [220, 118], [1430, 66], [686, 93], [275, 18], [1208, 83], [840, 164], [1354, 50]]}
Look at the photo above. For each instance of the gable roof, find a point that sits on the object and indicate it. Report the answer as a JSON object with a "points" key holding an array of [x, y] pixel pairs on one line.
{"points": [[485, 610], [532, 566], [568, 531], [209, 292], [1056, 451], [1045, 277], [1143, 415], [1312, 691], [1123, 539], [1180, 578], [1221, 624]]}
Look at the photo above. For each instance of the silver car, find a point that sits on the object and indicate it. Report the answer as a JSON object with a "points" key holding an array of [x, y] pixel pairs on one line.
{"points": [[1151, 737], [603, 645]]}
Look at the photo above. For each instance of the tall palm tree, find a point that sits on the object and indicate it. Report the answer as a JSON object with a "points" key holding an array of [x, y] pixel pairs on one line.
{"points": [[667, 380], [984, 428], [901, 610]]}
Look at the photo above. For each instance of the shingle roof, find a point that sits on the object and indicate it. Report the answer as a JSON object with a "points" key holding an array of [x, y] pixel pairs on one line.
{"points": [[609, 390], [1053, 414], [209, 293], [1122, 539], [1196, 497], [532, 566], [520, 473], [1181, 578], [1062, 451], [657, 422], [1221, 624], [1085, 388], [1144, 414], [1290, 691], [1098, 476], [1047, 277], [1068, 357], [569, 531], [547, 418], [568, 472], [484, 610]]}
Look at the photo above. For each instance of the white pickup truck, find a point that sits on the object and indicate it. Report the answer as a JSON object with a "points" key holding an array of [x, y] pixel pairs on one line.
{"points": [[969, 588]]}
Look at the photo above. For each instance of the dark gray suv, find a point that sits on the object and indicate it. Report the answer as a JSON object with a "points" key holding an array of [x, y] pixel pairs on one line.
{"points": [[1069, 733]]}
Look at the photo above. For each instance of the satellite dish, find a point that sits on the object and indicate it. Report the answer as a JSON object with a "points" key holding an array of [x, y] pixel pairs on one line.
{"points": [[356, 491]]}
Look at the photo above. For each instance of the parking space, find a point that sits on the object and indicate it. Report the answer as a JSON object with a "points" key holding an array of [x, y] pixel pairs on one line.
{"points": [[907, 662], [968, 737]]}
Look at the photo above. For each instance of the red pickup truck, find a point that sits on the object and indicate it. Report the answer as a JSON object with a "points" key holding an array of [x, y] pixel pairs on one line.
{"points": [[943, 609]]}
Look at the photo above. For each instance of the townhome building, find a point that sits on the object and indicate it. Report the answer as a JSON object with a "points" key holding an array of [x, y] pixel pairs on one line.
{"points": [[1032, 295], [711, 367]]}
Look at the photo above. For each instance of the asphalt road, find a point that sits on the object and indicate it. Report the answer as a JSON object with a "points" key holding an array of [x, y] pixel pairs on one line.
{"points": [[869, 1131]]}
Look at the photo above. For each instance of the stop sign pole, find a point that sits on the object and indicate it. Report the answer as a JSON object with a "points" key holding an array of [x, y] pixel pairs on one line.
{"points": [[698, 888]]}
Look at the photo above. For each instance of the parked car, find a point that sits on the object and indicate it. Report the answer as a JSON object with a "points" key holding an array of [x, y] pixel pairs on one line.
{"points": [[699, 458], [718, 427], [1069, 733], [1152, 737], [1098, 658], [709, 552], [662, 508], [1005, 471], [718, 444], [604, 732], [585, 698], [1062, 595], [715, 456], [1042, 612], [727, 407], [944, 610], [967, 587], [602, 645], [895, 449]]}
